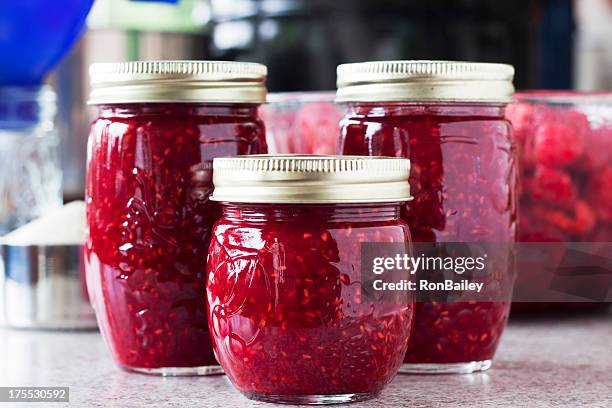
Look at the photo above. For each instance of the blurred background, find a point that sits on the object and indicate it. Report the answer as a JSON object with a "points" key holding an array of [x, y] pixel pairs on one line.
{"points": [[553, 44]]}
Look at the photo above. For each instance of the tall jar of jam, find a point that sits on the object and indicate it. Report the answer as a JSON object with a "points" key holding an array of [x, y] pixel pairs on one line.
{"points": [[149, 177], [448, 119], [287, 314]]}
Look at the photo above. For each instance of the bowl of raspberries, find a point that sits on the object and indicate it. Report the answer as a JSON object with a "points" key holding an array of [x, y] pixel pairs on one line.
{"points": [[564, 145]]}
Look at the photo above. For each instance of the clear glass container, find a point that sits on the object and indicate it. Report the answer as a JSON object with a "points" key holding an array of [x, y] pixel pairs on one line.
{"points": [[30, 172], [565, 192]]}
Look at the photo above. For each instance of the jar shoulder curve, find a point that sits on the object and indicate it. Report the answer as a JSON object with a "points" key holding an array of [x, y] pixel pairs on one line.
{"points": [[303, 240], [366, 231], [412, 109], [396, 130], [218, 112]]}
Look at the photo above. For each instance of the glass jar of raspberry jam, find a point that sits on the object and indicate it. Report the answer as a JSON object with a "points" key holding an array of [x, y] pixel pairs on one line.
{"points": [[287, 315], [149, 177], [448, 119]]}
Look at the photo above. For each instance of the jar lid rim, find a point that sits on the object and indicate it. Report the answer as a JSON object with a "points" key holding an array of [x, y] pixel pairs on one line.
{"points": [[168, 81], [423, 80], [310, 179]]}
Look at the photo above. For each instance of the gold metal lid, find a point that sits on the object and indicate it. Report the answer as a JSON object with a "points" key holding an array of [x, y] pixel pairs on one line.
{"points": [[177, 81], [305, 179], [430, 81]]}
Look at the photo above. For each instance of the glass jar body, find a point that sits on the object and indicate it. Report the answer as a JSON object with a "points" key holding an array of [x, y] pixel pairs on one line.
{"points": [[286, 311], [463, 182], [149, 176]]}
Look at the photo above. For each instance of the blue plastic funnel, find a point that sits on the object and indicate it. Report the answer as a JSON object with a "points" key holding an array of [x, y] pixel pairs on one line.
{"points": [[35, 35]]}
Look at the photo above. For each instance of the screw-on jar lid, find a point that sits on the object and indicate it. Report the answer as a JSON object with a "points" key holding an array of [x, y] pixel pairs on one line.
{"points": [[304, 179], [177, 81], [428, 81]]}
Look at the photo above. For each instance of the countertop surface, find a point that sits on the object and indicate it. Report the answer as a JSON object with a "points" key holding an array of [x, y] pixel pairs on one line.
{"points": [[560, 361]]}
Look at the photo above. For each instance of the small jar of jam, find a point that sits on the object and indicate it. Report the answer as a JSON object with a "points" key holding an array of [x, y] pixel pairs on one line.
{"points": [[448, 119], [149, 176], [287, 315]]}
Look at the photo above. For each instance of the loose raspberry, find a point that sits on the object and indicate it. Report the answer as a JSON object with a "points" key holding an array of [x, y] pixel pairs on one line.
{"points": [[585, 218], [557, 144], [552, 186], [582, 221], [534, 226], [575, 119]]}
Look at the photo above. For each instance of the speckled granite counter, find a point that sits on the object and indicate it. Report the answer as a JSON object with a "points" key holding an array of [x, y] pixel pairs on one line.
{"points": [[560, 362]]}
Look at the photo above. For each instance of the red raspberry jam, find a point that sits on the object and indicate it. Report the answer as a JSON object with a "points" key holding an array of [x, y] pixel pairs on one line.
{"points": [[286, 312], [463, 181], [149, 177], [565, 162]]}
